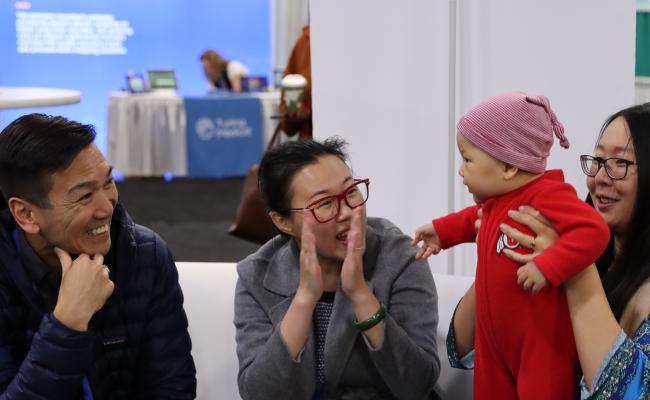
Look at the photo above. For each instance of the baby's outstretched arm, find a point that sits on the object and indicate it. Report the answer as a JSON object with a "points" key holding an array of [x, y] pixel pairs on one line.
{"points": [[431, 243]]}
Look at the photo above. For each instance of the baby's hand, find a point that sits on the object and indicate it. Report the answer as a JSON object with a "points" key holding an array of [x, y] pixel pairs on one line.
{"points": [[427, 234], [529, 277]]}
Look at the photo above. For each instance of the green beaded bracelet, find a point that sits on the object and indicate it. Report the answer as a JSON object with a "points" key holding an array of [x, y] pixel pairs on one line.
{"points": [[373, 320]]}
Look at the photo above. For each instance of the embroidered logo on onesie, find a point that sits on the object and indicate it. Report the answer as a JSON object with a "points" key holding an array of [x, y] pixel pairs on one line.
{"points": [[505, 242]]}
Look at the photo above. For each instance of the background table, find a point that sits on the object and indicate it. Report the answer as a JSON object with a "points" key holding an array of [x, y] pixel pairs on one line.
{"points": [[147, 133], [19, 97]]}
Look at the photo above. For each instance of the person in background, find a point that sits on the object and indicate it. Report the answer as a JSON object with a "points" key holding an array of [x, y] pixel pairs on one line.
{"points": [[336, 306], [299, 121], [90, 304], [610, 314], [222, 73]]}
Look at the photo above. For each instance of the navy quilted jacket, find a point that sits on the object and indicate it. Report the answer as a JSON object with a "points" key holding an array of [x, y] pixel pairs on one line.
{"points": [[137, 346]]}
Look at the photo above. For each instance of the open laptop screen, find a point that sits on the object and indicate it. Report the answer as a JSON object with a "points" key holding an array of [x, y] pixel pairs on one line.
{"points": [[162, 79]]}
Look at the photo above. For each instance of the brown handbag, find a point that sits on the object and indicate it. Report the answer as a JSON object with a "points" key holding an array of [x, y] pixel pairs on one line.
{"points": [[252, 221]]}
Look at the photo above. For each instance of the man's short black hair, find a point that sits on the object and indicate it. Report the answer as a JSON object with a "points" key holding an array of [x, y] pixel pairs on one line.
{"points": [[34, 146]]}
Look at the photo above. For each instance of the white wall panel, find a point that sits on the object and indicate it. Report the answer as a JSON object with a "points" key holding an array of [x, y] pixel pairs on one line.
{"points": [[380, 71], [580, 54], [380, 81]]}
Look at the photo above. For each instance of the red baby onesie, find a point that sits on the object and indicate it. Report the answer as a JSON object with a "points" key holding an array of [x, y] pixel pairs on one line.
{"points": [[524, 344]]}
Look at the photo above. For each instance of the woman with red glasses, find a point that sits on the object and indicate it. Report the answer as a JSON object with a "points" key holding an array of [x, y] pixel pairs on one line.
{"points": [[336, 306]]}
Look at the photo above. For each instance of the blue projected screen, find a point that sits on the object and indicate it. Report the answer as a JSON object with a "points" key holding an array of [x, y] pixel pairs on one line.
{"points": [[90, 46]]}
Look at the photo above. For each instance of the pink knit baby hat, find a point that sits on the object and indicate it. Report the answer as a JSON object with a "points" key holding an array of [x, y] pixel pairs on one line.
{"points": [[515, 128]]}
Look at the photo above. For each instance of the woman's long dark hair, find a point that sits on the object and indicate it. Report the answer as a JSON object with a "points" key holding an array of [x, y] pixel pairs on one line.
{"points": [[631, 268]]}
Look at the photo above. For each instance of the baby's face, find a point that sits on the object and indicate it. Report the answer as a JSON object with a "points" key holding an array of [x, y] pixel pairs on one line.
{"points": [[482, 174]]}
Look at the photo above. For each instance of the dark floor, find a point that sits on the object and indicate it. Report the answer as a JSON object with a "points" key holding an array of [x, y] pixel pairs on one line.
{"points": [[192, 215]]}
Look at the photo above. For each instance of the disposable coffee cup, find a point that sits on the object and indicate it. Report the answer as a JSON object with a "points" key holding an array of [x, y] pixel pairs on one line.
{"points": [[293, 86]]}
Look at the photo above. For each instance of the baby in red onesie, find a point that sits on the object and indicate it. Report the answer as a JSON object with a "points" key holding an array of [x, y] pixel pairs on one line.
{"points": [[524, 345]]}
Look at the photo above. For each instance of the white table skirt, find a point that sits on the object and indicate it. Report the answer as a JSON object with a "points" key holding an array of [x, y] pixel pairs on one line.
{"points": [[147, 132]]}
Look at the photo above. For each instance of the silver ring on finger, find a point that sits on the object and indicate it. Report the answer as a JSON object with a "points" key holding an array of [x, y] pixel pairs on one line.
{"points": [[108, 270]]}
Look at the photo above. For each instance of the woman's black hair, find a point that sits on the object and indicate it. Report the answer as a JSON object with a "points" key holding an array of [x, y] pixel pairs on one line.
{"points": [[280, 164], [623, 274]]}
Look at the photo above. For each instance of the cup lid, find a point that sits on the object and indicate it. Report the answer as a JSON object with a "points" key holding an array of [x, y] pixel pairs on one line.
{"points": [[294, 81]]}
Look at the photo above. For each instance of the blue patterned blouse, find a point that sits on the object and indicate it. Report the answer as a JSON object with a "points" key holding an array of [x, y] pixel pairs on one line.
{"points": [[625, 371]]}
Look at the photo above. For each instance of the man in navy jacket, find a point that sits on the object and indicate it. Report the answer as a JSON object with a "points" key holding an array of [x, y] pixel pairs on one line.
{"points": [[90, 305]]}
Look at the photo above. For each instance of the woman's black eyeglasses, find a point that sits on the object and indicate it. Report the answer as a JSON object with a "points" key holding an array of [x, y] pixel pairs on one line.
{"points": [[616, 168]]}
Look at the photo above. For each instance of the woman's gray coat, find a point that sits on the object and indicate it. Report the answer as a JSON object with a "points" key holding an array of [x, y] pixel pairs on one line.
{"points": [[405, 366]]}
